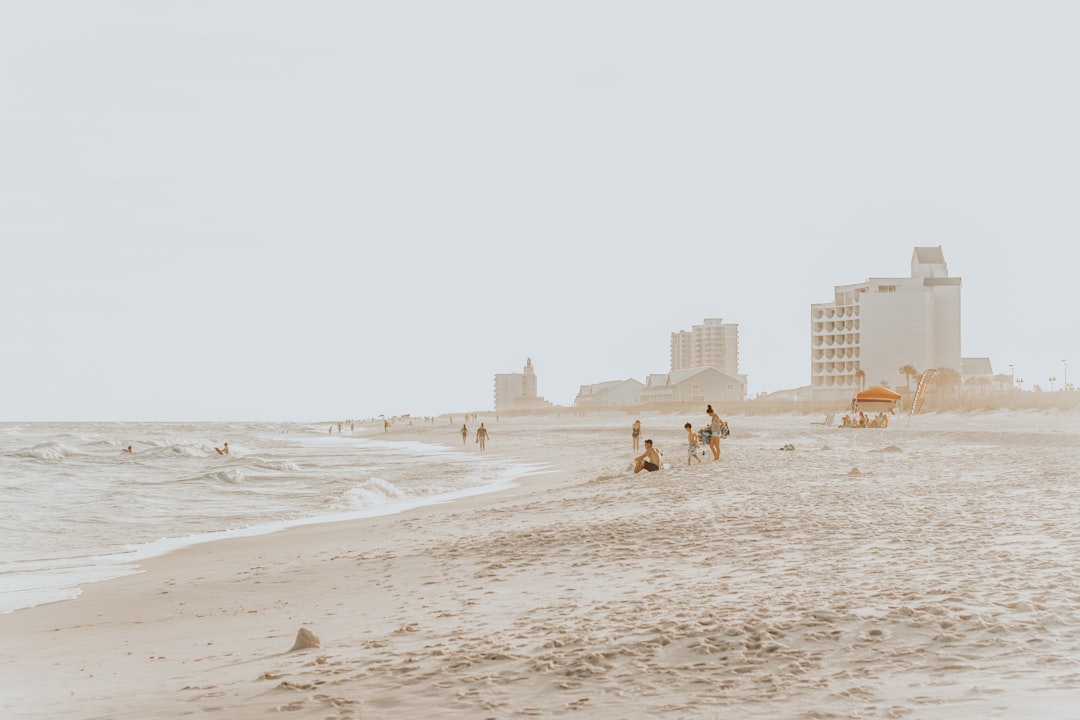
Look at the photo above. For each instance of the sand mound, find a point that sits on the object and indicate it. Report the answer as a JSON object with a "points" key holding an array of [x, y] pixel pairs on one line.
{"points": [[305, 639]]}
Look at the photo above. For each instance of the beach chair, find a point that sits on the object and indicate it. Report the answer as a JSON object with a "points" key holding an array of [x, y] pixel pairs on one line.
{"points": [[827, 421]]}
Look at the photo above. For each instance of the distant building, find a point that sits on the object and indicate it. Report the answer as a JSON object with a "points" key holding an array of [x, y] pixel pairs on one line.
{"points": [[971, 368], [873, 328], [711, 344], [703, 384], [611, 394], [787, 395], [518, 391], [977, 375]]}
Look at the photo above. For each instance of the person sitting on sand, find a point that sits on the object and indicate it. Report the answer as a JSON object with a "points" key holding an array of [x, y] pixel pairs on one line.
{"points": [[224, 450], [692, 448], [648, 460], [127, 450]]}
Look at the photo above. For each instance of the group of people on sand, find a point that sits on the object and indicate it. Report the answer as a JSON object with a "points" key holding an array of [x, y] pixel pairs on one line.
{"points": [[481, 435], [881, 420], [651, 459]]}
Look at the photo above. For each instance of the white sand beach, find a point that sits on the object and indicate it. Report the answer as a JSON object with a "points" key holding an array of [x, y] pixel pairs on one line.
{"points": [[931, 570]]}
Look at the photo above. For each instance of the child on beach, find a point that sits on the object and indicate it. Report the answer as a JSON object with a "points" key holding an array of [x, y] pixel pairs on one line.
{"points": [[692, 449]]}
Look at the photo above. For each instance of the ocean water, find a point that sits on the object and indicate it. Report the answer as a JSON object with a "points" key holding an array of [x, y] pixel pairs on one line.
{"points": [[75, 508]]}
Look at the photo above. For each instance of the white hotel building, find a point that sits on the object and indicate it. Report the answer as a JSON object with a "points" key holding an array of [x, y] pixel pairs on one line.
{"points": [[882, 324]]}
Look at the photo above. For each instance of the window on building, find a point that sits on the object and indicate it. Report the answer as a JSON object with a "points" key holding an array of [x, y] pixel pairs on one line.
{"points": [[886, 288]]}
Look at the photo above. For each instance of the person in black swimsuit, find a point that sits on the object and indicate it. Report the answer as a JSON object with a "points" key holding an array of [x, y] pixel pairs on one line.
{"points": [[648, 460]]}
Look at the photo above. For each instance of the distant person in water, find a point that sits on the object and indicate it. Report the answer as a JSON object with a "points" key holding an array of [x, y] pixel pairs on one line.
{"points": [[482, 436], [464, 434], [223, 450]]}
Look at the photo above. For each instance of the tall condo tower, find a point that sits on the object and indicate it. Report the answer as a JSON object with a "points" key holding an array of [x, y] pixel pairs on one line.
{"points": [[711, 344]]}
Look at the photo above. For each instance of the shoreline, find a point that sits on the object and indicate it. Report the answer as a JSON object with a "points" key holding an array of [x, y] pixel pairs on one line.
{"points": [[102, 608], [108, 566], [770, 584]]}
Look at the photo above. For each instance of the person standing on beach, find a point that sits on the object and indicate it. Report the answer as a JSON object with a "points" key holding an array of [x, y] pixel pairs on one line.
{"points": [[635, 433], [692, 449], [715, 424], [464, 434], [648, 460], [482, 436]]}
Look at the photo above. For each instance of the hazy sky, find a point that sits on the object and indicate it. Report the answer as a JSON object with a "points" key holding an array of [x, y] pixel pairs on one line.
{"points": [[302, 211]]}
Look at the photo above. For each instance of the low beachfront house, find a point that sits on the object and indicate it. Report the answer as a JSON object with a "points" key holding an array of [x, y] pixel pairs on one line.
{"points": [[611, 394], [703, 384], [978, 375]]}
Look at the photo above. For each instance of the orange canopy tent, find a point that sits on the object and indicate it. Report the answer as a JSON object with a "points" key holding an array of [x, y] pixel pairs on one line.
{"points": [[878, 393], [876, 397]]}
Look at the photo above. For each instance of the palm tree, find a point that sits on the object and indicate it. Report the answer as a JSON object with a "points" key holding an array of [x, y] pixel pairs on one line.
{"points": [[948, 379], [908, 371]]}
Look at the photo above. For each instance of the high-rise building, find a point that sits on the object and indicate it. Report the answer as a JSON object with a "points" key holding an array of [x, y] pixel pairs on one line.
{"points": [[518, 391], [873, 328], [712, 344]]}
